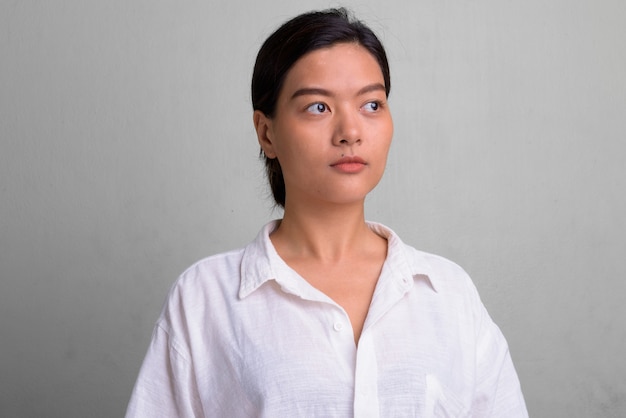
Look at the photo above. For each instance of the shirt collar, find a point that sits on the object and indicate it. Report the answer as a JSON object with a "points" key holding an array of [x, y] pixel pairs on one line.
{"points": [[261, 263], [405, 260], [256, 264]]}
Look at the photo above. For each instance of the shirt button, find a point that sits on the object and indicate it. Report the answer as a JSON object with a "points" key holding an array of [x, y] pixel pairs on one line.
{"points": [[338, 326]]}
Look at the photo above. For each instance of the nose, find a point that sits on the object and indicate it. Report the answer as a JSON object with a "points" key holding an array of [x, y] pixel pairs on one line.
{"points": [[347, 128]]}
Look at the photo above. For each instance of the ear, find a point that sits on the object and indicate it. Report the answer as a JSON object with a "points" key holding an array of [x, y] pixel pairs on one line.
{"points": [[264, 133]]}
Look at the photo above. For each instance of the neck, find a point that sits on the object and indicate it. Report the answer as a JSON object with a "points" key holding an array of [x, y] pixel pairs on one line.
{"points": [[328, 234]]}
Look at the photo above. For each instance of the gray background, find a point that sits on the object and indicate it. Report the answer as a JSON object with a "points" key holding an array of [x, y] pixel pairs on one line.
{"points": [[127, 153]]}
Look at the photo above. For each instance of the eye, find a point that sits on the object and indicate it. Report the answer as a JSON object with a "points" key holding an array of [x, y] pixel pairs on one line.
{"points": [[317, 108], [372, 106]]}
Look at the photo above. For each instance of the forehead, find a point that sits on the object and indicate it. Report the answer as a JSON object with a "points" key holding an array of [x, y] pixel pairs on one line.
{"points": [[340, 67]]}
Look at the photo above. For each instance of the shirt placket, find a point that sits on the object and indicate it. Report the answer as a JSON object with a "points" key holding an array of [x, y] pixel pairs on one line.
{"points": [[366, 379], [390, 289]]}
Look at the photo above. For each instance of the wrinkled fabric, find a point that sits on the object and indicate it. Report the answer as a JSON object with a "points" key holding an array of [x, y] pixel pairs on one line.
{"points": [[243, 335]]}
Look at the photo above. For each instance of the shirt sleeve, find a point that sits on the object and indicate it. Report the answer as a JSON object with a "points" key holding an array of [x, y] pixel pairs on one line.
{"points": [[498, 392], [166, 386]]}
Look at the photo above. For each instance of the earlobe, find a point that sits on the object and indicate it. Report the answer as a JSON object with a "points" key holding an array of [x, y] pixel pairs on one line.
{"points": [[263, 128]]}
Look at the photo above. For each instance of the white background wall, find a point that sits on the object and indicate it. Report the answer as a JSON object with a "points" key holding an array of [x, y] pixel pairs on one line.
{"points": [[127, 152]]}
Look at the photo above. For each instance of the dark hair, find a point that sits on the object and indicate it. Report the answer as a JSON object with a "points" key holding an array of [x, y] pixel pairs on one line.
{"points": [[303, 34]]}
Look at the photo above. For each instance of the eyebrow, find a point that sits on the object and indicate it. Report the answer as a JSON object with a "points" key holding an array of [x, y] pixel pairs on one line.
{"points": [[323, 92]]}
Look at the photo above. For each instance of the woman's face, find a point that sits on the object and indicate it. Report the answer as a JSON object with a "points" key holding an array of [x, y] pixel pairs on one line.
{"points": [[332, 126]]}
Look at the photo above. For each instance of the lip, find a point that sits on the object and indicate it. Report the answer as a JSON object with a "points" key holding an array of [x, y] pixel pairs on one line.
{"points": [[351, 164]]}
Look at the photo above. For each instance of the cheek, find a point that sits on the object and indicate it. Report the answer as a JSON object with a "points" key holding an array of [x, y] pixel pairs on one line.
{"points": [[295, 153], [389, 132], [384, 136], [389, 126], [383, 144], [298, 141]]}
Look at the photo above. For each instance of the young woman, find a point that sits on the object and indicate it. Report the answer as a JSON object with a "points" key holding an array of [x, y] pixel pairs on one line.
{"points": [[325, 314]]}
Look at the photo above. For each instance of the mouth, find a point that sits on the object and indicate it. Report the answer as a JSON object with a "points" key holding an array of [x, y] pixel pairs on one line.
{"points": [[352, 164]]}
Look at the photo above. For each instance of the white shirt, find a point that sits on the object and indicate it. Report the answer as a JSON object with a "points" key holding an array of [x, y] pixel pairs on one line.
{"points": [[243, 335]]}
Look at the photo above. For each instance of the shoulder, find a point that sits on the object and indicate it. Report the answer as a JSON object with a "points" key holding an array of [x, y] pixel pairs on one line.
{"points": [[446, 276], [217, 265], [433, 262], [214, 283], [443, 273], [437, 266], [215, 278]]}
